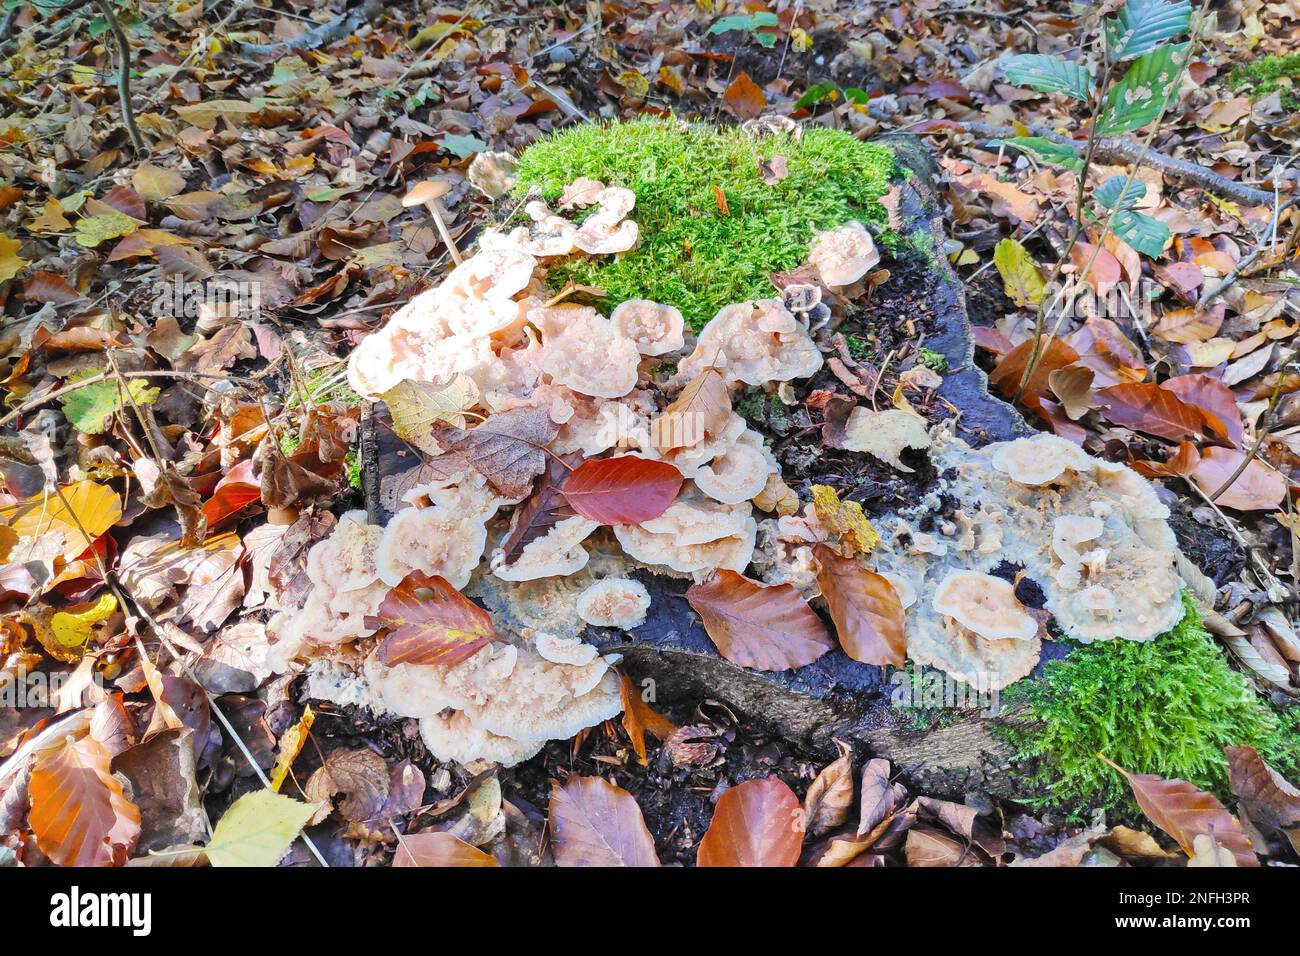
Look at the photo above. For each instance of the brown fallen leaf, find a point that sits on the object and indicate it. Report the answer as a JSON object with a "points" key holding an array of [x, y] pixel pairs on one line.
{"points": [[1214, 400], [639, 717], [1268, 798], [1257, 488], [595, 823], [1151, 408], [744, 99], [703, 407], [928, 846], [1006, 376], [1185, 813], [508, 449], [438, 849], [755, 823], [868, 616], [430, 622], [829, 798], [767, 627]]}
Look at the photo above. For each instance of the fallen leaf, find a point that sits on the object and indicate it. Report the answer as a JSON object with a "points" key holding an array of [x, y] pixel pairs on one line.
{"points": [[417, 406], [865, 608], [257, 830], [1073, 386], [291, 744], [155, 184], [844, 519], [639, 717], [1021, 278], [79, 813], [430, 622], [10, 262], [1257, 488], [438, 849], [755, 823], [884, 435], [624, 489], [1215, 401], [595, 823], [1267, 798], [1149, 408], [767, 627], [743, 98], [1185, 813], [829, 798], [703, 407], [508, 449]]}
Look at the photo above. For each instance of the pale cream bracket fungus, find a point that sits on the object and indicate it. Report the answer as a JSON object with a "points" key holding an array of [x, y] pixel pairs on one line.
{"points": [[429, 194], [1039, 460], [656, 329], [842, 256], [756, 343], [608, 231], [557, 553], [740, 473], [614, 602], [447, 539], [563, 650], [505, 691], [1071, 531], [694, 536], [585, 352], [986, 605]]}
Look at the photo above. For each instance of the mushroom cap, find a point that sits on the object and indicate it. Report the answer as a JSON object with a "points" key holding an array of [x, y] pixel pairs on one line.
{"points": [[1039, 460], [444, 540], [599, 236], [656, 329], [614, 602], [453, 736], [985, 605], [843, 255], [557, 553], [563, 650], [426, 191], [1070, 531], [585, 352], [754, 342], [740, 473], [615, 202]]}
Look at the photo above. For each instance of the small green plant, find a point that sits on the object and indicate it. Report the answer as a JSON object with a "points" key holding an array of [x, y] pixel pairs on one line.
{"points": [[698, 252], [759, 24], [1268, 75], [1137, 35], [1167, 706], [935, 361]]}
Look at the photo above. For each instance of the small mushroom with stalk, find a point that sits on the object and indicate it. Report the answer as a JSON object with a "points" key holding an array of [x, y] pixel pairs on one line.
{"points": [[429, 194]]}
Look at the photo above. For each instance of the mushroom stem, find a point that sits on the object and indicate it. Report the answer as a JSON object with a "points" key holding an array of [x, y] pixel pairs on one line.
{"points": [[435, 209]]}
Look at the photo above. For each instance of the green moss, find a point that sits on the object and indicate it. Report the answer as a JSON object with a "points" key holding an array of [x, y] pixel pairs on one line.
{"points": [[1268, 74], [1167, 707], [692, 255]]}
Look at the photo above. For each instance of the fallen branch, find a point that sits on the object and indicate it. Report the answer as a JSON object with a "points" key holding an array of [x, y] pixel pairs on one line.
{"points": [[325, 34], [1127, 151], [123, 76]]}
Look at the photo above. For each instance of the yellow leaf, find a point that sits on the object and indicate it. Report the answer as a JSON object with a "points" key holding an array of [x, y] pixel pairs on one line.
{"points": [[258, 829], [95, 506], [634, 82], [291, 745], [1020, 276], [416, 406], [800, 41], [205, 115], [74, 627], [92, 230], [155, 184], [51, 219], [844, 519], [10, 262]]}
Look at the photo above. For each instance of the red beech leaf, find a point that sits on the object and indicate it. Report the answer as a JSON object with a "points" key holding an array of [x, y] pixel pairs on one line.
{"points": [[1214, 400], [624, 489], [46, 286], [430, 622], [865, 608], [78, 811], [768, 627], [439, 849], [1147, 407], [236, 489], [595, 823], [755, 823], [1185, 813], [743, 98]]}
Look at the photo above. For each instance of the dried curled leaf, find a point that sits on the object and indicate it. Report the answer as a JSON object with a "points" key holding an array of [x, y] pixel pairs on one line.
{"points": [[767, 627], [844, 519], [702, 407], [508, 449], [1185, 813]]}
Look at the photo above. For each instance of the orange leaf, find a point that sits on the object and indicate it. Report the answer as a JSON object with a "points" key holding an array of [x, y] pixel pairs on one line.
{"points": [[78, 811], [1213, 399], [439, 849], [625, 489], [768, 627], [638, 717], [1185, 813], [236, 489], [743, 99], [756, 823], [443, 627], [868, 616], [595, 823], [1006, 376]]}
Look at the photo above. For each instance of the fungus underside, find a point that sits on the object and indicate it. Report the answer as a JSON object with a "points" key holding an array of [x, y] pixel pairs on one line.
{"points": [[693, 255], [1167, 707]]}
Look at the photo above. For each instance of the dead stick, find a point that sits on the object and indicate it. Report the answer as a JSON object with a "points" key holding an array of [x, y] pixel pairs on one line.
{"points": [[123, 76]]}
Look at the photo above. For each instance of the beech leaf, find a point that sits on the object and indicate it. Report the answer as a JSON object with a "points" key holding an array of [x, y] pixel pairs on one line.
{"points": [[430, 622], [79, 813], [767, 627], [1185, 813], [595, 823], [1150, 408], [868, 616], [755, 823], [625, 489], [1257, 488], [702, 407], [439, 849]]}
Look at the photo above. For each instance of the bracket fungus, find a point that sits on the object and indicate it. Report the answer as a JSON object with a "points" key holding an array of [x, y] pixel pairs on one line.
{"points": [[656, 329], [755, 343], [842, 256], [614, 602]]}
